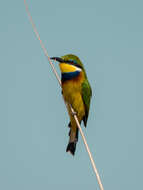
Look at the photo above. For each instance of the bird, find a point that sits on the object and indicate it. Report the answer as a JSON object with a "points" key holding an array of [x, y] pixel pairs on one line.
{"points": [[77, 92]]}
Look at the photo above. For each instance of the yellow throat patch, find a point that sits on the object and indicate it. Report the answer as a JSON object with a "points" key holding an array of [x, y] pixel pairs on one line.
{"points": [[66, 68]]}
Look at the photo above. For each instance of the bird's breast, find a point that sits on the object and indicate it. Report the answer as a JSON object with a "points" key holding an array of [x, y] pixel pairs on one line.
{"points": [[72, 88], [69, 75]]}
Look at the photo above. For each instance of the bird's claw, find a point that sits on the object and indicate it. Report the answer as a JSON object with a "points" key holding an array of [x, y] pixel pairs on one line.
{"points": [[74, 113]]}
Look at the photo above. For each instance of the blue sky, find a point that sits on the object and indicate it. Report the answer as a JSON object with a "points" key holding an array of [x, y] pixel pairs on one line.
{"points": [[107, 36]]}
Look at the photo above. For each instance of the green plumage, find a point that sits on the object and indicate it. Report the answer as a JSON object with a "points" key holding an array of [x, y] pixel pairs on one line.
{"points": [[86, 95]]}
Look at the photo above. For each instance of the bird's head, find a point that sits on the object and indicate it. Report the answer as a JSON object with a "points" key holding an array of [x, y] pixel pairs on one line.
{"points": [[69, 63]]}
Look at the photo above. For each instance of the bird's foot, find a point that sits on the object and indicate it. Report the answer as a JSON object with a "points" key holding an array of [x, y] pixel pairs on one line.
{"points": [[74, 113]]}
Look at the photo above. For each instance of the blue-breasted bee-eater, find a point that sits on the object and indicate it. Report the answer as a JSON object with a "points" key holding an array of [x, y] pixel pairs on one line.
{"points": [[77, 93]]}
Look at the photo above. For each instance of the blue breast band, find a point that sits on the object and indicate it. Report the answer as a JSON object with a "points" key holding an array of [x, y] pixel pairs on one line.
{"points": [[70, 75]]}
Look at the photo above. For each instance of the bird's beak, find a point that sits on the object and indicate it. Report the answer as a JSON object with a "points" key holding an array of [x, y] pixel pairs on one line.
{"points": [[57, 59]]}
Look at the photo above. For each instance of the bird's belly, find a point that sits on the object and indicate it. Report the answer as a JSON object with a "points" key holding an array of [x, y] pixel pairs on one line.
{"points": [[72, 95]]}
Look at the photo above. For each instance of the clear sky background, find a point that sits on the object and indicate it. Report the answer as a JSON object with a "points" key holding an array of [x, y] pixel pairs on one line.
{"points": [[108, 37]]}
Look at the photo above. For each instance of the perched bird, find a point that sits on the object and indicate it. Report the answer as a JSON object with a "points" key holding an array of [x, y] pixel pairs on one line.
{"points": [[77, 93]]}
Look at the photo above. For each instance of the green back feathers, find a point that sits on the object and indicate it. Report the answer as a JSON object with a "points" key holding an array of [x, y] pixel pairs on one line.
{"points": [[86, 96]]}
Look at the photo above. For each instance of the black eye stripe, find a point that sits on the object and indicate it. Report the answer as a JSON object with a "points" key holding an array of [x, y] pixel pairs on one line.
{"points": [[73, 63], [70, 61]]}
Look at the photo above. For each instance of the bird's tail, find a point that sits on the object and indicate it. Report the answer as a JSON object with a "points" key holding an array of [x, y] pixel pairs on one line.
{"points": [[72, 142]]}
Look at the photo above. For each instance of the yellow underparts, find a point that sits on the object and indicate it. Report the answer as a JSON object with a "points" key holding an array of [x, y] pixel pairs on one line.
{"points": [[72, 95]]}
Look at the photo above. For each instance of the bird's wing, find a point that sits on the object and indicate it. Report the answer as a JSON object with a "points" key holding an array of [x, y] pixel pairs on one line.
{"points": [[86, 96]]}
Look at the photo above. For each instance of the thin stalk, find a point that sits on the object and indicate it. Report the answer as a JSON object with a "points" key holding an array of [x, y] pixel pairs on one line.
{"points": [[58, 78]]}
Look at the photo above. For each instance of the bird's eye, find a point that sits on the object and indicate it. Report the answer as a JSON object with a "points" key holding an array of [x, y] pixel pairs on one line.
{"points": [[73, 61]]}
